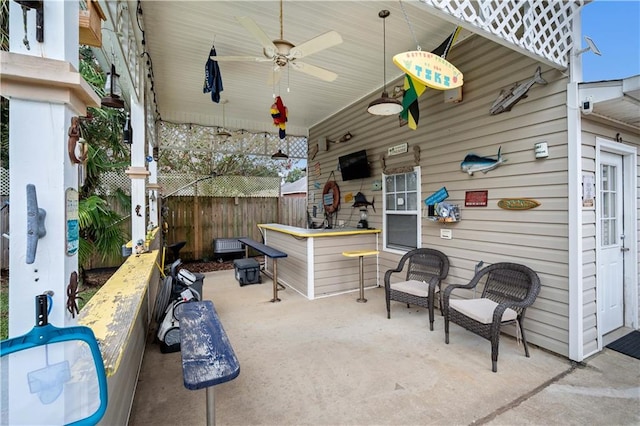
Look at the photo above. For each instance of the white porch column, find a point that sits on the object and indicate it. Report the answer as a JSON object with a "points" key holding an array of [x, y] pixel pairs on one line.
{"points": [[574, 168], [137, 171], [45, 92]]}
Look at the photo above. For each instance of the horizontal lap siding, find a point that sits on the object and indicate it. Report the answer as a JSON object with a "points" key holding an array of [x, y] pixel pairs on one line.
{"points": [[335, 272], [447, 132], [292, 270]]}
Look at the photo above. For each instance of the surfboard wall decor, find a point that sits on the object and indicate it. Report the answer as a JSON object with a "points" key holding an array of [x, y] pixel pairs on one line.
{"points": [[518, 203], [429, 69]]}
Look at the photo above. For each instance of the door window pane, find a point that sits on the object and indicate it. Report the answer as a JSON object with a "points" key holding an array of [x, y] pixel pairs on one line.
{"points": [[608, 201]]}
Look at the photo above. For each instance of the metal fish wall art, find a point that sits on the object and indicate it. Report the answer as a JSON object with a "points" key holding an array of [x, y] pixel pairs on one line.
{"points": [[508, 98], [361, 201], [474, 163]]}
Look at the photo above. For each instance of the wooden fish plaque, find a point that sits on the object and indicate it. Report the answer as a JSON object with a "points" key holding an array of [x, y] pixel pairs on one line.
{"points": [[518, 203]]}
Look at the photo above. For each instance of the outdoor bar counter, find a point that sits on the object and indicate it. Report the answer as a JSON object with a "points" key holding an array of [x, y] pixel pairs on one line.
{"points": [[315, 266]]}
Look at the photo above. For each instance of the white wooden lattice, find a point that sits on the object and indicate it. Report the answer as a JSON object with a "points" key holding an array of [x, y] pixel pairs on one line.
{"points": [[4, 182], [221, 186], [189, 185], [193, 138], [543, 28]]}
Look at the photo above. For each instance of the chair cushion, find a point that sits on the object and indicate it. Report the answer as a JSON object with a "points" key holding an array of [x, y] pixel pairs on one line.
{"points": [[417, 288], [481, 310]]}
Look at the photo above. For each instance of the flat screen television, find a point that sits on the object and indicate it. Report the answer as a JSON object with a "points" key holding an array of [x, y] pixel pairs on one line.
{"points": [[354, 165]]}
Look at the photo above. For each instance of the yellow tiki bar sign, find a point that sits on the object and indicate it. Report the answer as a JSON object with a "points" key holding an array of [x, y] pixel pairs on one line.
{"points": [[429, 69]]}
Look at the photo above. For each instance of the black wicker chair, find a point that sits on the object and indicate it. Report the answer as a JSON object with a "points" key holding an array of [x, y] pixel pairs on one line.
{"points": [[425, 271], [509, 288]]}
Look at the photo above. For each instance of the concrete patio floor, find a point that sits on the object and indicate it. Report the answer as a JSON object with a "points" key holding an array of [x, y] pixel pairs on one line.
{"points": [[334, 361]]}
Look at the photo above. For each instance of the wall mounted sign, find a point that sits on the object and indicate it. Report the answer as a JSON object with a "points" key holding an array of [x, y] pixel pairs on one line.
{"points": [[348, 197], [71, 219], [588, 189], [475, 198], [518, 203], [437, 197], [398, 149], [429, 69]]}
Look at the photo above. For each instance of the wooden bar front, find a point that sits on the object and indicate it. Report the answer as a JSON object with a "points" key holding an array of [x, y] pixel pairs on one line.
{"points": [[315, 266]]}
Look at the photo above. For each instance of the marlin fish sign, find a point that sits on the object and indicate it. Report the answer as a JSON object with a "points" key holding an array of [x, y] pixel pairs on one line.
{"points": [[474, 163], [508, 98]]}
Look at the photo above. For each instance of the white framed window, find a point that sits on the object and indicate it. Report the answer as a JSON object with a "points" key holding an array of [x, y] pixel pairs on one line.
{"points": [[401, 211]]}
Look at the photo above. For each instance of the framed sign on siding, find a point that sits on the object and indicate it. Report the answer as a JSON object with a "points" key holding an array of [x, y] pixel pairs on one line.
{"points": [[476, 198]]}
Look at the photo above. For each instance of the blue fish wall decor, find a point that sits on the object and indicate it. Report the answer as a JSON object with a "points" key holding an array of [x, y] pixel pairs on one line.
{"points": [[474, 163]]}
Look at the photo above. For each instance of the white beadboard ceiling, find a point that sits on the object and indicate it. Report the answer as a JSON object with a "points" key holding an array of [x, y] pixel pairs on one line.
{"points": [[179, 36]]}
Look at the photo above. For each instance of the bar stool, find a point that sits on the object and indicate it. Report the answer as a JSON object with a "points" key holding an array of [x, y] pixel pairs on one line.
{"points": [[361, 254]]}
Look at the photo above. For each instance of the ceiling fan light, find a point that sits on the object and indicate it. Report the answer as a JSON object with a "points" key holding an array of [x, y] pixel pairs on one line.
{"points": [[384, 105]]}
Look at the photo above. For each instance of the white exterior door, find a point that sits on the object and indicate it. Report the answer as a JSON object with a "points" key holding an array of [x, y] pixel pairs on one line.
{"points": [[612, 242]]}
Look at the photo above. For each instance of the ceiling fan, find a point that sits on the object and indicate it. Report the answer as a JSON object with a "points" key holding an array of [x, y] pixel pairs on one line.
{"points": [[284, 53]]}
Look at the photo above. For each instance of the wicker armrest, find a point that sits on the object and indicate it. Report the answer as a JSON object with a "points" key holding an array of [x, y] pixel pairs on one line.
{"points": [[399, 268], [387, 276], [447, 291]]}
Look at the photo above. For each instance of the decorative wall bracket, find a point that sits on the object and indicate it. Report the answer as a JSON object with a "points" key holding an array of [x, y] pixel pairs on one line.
{"points": [[38, 6], [35, 223]]}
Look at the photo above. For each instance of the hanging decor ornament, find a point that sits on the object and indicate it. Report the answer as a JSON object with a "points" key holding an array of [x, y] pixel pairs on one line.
{"points": [[279, 113], [430, 69]]}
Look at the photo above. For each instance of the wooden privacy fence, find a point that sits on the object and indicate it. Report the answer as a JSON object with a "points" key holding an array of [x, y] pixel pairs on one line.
{"points": [[200, 220]]}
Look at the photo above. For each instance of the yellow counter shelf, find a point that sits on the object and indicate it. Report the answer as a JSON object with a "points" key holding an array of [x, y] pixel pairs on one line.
{"points": [[316, 233]]}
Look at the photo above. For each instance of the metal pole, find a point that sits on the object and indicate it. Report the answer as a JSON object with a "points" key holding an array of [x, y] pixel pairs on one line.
{"points": [[211, 407], [362, 299], [275, 281]]}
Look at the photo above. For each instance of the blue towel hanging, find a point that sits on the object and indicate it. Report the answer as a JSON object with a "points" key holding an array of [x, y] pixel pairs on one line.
{"points": [[212, 77]]}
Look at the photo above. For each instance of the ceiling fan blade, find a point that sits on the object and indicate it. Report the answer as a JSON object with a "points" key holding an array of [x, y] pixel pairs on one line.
{"points": [[240, 58], [316, 44], [251, 26], [318, 72]]}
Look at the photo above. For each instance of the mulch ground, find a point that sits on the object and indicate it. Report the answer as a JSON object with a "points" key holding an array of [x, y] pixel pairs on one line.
{"points": [[97, 277]]}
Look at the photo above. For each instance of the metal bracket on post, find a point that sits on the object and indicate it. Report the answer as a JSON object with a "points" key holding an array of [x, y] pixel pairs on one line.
{"points": [[35, 223], [38, 6]]}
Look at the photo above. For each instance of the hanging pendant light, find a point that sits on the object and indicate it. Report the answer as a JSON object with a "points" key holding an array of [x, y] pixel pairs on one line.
{"points": [[224, 132], [384, 105], [112, 89], [279, 155]]}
